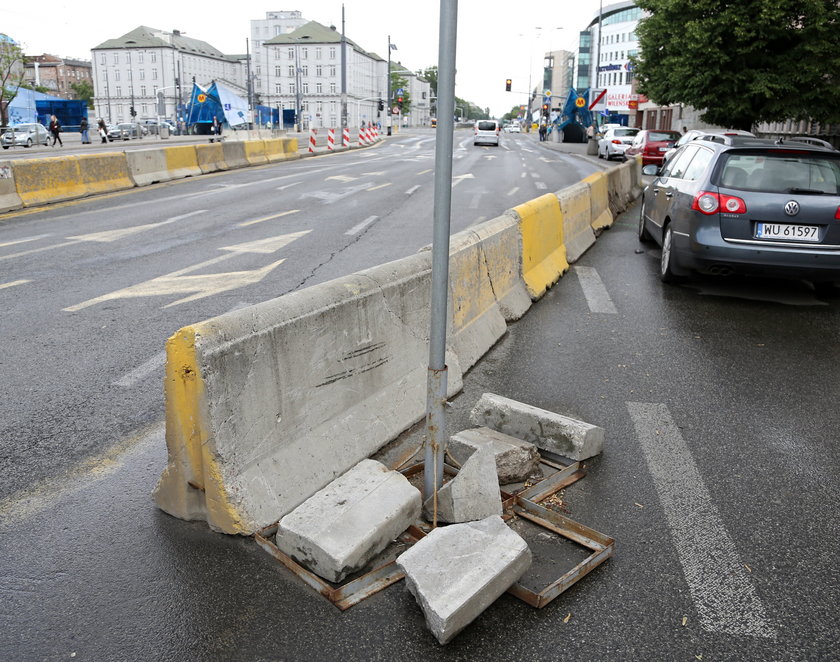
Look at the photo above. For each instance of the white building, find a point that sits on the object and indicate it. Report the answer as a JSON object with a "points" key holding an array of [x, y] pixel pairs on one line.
{"points": [[130, 70], [275, 23]]}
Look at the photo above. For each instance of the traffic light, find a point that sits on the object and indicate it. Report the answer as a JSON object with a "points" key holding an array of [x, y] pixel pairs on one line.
{"points": [[133, 112], [508, 83], [399, 99], [545, 109], [381, 105]]}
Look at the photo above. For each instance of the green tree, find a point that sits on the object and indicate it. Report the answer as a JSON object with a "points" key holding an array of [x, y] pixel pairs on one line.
{"points": [[11, 74], [742, 62], [430, 74], [400, 83], [83, 90]]}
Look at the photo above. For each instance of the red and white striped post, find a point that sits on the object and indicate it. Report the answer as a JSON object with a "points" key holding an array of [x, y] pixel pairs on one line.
{"points": [[330, 139], [362, 139], [345, 137], [312, 133], [376, 134]]}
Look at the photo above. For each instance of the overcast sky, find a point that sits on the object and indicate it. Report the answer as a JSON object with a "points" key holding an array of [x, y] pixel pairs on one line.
{"points": [[496, 40]]}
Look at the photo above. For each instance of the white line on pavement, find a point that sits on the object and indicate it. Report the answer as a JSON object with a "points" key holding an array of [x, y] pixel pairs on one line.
{"points": [[412, 189], [724, 595], [541, 186], [13, 283], [356, 229], [513, 190], [593, 289], [245, 224], [24, 240], [475, 200]]}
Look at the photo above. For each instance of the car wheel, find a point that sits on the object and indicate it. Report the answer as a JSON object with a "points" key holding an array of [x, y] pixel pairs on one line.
{"points": [[28, 142], [600, 154], [644, 236], [5, 147], [666, 264]]}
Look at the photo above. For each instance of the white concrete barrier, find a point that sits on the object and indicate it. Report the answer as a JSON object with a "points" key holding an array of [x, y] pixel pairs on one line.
{"points": [[9, 199], [147, 166]]}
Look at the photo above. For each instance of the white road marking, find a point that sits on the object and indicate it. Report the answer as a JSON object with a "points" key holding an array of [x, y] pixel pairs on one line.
{"points": [[523, 175], [460, 178], [24, 240], [374, 188], [593, 289], [513, 190], [154, 364], [541, 185], [476, 199], [245, 224], [13, 283], [204, 285], [356, 229], [341, 178], [412, 189], [723, 594], [113, 235], [285, 186], [535, 174], [423, 172]]}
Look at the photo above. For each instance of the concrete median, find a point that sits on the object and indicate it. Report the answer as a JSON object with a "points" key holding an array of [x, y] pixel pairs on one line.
{"points": [[51, 179], [9, 198], [210, 157], [255, 152], [619, 186], [575, 201], [147, 166], [104, 173], [599, 201], [181, 161], [543, 250], [266, 405], [235, 154]]}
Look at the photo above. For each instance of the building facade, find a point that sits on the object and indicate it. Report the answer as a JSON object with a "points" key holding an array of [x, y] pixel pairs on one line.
{"points": [[128, 73], [57, 74], [558, 75]]}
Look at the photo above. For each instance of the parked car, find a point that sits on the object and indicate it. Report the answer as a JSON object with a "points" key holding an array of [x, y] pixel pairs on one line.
{"points": [[486, 132], [810, 141], [115, 132], [652, 145], [513, 128], [132, 130], [25, 135], [694, 134], [745, 205], [615, 141]]}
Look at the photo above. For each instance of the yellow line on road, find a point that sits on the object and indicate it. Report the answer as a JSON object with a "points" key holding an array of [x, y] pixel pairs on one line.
{"points": [[373, 188], [268, 218]]}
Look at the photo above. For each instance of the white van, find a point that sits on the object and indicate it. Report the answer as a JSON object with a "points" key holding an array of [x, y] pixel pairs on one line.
{"points": [[486, 132]]}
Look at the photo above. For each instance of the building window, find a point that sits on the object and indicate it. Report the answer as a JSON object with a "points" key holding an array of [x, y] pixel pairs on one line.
{"points": [[119, 91], [116, 58], [117, 74], [332, 106], [319, 106], [319, 88], [276, 53], [259, 70], [277, 88], [144, 109], [332, 88], [332, 52], [291, 53], [319, 71], [142, 90], [291, 71], [154, 74], [317, 53], [154, 57], [139, 58], [332, 71], [304, 53], [304, 70], [142, 73], [304, 88], [278, 71], [102, 57], [305, 106], [292, 88]]}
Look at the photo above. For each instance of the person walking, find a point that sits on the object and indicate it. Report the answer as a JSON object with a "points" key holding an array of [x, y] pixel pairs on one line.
{"points": [[542, 131], [103, 130], [216, 129], [55, 130], [83, 129]]}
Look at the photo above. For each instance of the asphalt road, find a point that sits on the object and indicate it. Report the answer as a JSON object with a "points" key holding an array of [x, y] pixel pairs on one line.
{"points": [[718, 480]]}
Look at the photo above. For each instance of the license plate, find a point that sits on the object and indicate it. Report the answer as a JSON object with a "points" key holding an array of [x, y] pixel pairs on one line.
{"points": [[664, 149], [786, 231]]}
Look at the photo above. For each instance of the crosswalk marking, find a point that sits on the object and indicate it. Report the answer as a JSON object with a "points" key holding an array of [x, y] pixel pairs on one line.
{"points": [[593, 289]]}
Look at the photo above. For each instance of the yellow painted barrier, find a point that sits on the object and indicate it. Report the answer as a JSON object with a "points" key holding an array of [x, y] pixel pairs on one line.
{"points": [[543, 248], [577, 219], [274, 149], [600, 201], [210, 157], [255, 152], [103, 173], [290, 148], [50, 179], [181, 161]]}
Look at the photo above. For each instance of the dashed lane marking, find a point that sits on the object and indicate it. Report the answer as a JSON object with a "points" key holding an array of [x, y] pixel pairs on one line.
{"points": [[374, 188], [412, 189], [24, 240], [541, 185], [423, 172], [267, 218], [723, 593], [13, 283], [356, 229], [593, 289], [513, 190]]}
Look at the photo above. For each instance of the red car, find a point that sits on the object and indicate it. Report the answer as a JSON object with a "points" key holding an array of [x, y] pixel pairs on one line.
{"points": [[652, 145]]}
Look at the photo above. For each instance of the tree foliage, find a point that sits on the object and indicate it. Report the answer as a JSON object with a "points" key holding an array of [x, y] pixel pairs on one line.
{"points": [[398, 82], [742, 62], [11, 75], [84, 91]]}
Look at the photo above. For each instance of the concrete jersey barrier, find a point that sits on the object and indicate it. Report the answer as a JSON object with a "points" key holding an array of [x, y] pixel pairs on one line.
{"points": [[9, 198], [235, 154], [103, 173], [181, 161], [599, 201], [210, 157], [50, 179], [542, 229], [575, 201], [147, 166], [266, 405]]}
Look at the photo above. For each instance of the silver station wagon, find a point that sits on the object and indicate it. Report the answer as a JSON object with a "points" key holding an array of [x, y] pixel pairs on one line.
{"points": [[732, 204]]}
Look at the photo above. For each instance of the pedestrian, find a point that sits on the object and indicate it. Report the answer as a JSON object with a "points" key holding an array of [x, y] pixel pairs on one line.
{"points": [[216, 129], [542, 131], [83, 129], [103, 130], [55, 129], [590, 132]]}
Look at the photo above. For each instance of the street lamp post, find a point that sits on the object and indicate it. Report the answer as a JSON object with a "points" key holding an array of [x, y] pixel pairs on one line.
{"points": [[388, 82]]}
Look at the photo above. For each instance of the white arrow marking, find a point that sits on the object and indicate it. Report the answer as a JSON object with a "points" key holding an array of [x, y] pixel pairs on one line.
{"points": [[460, 178], [412, 189], [490, 157], [113, 235], [513, 190], [342, 178], [267, 218], [201, 286]]}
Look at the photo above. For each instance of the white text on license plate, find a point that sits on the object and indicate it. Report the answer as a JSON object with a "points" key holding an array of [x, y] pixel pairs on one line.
{"points": [[786, 231]]}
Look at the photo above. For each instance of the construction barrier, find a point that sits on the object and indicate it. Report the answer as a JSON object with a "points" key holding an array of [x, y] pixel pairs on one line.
{"points": [[235, 154], [255, 152], [211, 157], [268, 404], [50, 179], [345, 137], [544, 257], [575, 203], [147, 166], [312, 133], [290, 148], [9, 198], [619, 188], [600, 201], [102, 173], [330, 139], [181, 161]]}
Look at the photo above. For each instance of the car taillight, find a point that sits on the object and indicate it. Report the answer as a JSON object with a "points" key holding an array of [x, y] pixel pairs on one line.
{"points": [[837, 214], [616, 142], [709, 202]]}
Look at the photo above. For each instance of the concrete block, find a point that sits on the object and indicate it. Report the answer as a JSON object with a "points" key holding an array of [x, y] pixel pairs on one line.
{"points": [[471, 495], [515, 459], [457, 571], [340, 528], [576, 203], [548, 430]]}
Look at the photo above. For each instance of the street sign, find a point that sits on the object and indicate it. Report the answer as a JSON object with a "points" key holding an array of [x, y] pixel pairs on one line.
{"points": [[580, 102], [201, 98], [395, 110], [547, 93], [598, 99]]}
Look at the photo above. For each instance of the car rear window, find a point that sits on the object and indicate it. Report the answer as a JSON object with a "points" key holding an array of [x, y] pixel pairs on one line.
{"points": [[626, 132], [486, 126], [660, 136], [782, 172]]}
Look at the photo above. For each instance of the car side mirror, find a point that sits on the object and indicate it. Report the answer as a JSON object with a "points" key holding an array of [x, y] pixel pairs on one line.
{"points": [[651, 170]]}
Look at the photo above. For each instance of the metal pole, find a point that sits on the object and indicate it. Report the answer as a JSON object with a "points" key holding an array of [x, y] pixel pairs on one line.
{"points": [[388, 115], [437, 376], [343, 74], [249, 84]]}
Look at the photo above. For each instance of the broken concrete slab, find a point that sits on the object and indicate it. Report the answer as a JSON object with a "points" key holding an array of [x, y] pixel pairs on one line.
{"points": [[339, 529], [457, 571], [548, 430], [516, 460], [472, 494]]}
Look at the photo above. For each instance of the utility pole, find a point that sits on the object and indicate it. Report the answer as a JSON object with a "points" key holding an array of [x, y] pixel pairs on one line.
{"points": [[249, 84], [343, 74]]}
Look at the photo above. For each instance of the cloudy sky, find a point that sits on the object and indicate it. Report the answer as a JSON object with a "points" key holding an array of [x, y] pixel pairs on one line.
{"points": [[496, 40]]}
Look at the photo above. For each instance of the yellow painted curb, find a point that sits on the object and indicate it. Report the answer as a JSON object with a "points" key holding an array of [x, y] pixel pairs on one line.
{"points": [[543, 249]]}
